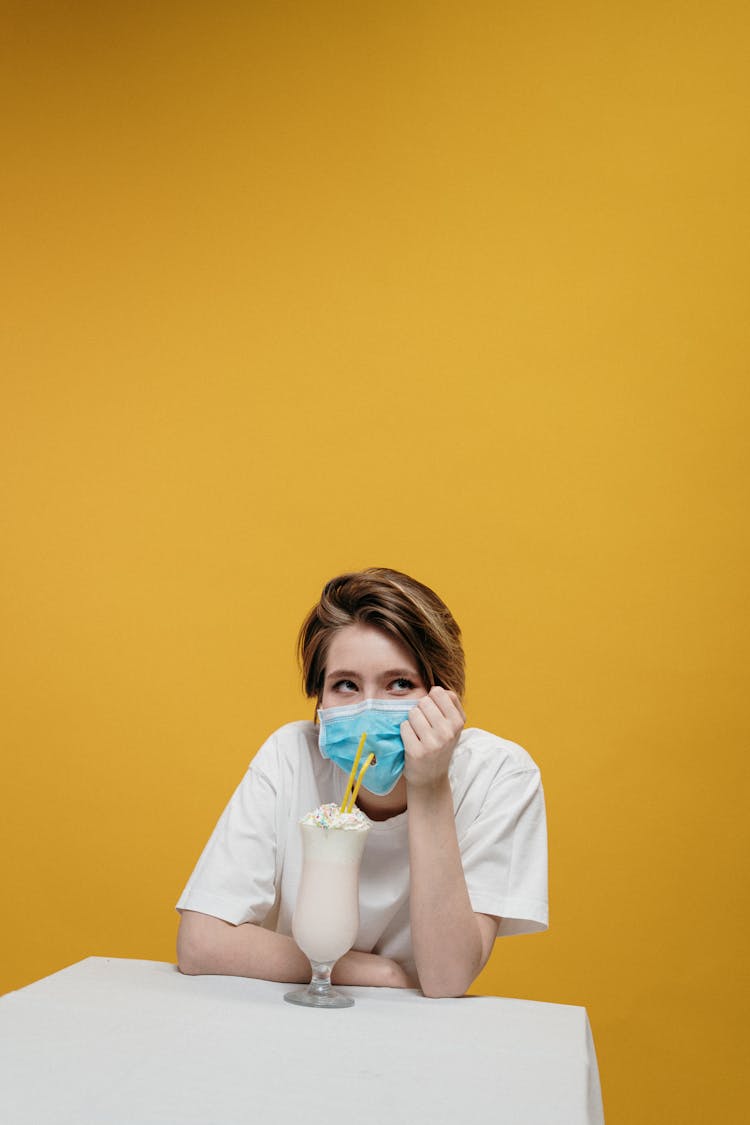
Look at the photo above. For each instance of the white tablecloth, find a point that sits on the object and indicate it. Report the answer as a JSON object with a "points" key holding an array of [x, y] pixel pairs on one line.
{"points": [[115, 1042]]}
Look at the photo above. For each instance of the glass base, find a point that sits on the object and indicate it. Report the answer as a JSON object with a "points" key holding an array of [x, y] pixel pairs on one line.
{"points": [[319, 993], [312, 998]]}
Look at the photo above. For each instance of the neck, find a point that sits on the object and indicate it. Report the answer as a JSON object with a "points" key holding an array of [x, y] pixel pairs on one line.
{"points": [[383, 808]]}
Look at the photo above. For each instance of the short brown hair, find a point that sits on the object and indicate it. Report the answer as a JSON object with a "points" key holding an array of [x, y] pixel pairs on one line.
{"points": [[408, 611]]}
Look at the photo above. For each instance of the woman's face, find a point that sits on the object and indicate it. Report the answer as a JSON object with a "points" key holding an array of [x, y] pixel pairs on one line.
{"points": [[366, 663]]}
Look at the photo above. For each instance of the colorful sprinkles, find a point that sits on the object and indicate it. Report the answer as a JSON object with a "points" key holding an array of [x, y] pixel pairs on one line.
{"points": [[331, 816]]}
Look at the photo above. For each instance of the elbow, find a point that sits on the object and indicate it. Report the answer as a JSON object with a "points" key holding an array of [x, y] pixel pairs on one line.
{"points": [[187, 966], [438, 991], [448, 986], [190, 951], [448, 982]]}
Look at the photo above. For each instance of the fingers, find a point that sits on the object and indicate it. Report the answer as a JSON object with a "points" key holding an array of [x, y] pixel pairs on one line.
{"points": [[441, 705], [437, 718], [430, 735], [447, 702]]}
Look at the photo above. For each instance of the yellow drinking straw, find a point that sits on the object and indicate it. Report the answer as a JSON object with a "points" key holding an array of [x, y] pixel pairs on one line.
{"points": [[352, 775], [368, 761]]}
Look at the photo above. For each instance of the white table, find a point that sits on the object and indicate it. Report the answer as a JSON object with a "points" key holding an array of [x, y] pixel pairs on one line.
{"points": [[115, 1042]]}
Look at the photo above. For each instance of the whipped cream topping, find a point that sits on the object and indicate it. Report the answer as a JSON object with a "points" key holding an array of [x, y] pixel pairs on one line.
{"points": [[329, 816]]}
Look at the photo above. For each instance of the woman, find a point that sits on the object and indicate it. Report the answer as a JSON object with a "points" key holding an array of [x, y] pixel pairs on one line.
{"points": [[457, 854]]}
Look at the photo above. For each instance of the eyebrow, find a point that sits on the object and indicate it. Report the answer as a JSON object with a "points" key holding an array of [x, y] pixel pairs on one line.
{"points": [[390, 673]]}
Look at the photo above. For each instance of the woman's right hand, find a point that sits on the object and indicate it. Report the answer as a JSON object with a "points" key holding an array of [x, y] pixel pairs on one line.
{"points": [[372, 970]]}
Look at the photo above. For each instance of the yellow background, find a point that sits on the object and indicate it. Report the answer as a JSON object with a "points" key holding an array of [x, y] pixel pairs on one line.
{"points": [[290, 288]]}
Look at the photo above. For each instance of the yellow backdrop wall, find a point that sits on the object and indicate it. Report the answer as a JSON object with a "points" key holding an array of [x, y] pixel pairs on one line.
{"points": [[462, 289]]}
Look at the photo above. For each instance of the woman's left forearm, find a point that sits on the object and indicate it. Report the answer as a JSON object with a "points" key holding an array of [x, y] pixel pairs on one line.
{"points": [[447, 937]]}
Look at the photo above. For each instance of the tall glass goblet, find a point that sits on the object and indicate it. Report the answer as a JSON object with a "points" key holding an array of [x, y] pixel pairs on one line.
{"points": [[326, 914]]}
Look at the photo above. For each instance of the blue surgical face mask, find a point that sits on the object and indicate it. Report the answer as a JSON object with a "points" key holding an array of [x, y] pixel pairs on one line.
{"points": [[342, 727]]}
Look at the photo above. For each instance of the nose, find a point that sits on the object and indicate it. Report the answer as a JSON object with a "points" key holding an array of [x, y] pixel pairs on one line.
{"points": [[374, 690]]}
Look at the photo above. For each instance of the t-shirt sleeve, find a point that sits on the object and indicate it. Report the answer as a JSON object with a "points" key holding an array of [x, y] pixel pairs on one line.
{"points": [[235, 877], [504, 854]]}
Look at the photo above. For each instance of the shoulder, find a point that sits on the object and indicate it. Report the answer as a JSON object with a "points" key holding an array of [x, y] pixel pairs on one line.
{"points": [[303, 732], [289, 766], [493, 779], [484, 764], [480, 751], [287, 746]]}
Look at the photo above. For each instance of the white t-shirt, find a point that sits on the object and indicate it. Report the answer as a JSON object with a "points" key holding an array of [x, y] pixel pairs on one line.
{"points": [[250, 868]]}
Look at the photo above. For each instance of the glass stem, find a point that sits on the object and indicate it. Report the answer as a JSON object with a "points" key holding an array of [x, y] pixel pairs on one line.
{"points": [[320, 984]]}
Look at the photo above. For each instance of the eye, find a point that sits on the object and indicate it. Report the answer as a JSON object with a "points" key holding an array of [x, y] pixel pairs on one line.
{"points": [[345, 686], [401, 685]]}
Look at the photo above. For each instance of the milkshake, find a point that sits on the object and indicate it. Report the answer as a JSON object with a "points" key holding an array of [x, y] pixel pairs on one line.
{"points": [[326, 914]]}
